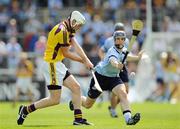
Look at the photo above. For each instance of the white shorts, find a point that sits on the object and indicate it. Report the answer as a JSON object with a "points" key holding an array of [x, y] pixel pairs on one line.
{"points": [[54, 74], [24, 84], [171, 77]]}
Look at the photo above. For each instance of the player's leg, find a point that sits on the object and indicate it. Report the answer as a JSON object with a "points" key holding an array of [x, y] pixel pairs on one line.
{"points": [[29, 90], [19, 88], [93, 94], [114, 102], [52, 99], [87, 102], [120, 91], [54, 80], [71, 83], [175, 79], [127, 87], [16, 98], [114, 99]]}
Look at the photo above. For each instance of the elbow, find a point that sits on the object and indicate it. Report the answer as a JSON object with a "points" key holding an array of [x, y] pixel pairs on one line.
{"points": [[101, 54], [66, 54]]}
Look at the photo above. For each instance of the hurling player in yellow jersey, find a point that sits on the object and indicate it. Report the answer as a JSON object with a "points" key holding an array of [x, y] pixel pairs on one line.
{"points": [[60, 38]]}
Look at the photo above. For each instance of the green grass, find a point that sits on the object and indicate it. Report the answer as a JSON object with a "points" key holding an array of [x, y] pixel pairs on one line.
{"points": [[154, 116]]}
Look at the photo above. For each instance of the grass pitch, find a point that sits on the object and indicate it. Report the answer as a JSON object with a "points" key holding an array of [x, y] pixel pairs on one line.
{"points": [[153, 116]]}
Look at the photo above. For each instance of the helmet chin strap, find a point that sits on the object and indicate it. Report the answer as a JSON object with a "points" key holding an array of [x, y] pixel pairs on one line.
{"points": [[119, 46], [71, 28]]}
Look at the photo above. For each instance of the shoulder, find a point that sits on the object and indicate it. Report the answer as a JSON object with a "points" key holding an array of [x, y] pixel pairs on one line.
{"points": [[108, 43], [110, 39], [126, 41], [112, 51], [124, 49], [60, 27]]}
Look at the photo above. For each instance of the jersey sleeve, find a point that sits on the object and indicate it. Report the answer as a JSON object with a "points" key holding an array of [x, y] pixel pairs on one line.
{"points": [[111, 53]]}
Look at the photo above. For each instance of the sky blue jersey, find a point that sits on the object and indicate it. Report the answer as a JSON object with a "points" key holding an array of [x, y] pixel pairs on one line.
{"points": [[105, 68], [109, 42]]}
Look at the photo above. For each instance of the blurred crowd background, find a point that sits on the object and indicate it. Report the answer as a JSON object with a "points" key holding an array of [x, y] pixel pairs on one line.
{"points": [[24, 26]]}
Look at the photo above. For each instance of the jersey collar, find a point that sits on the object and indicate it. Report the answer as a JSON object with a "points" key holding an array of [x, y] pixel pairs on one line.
{"points": [[68, 27]]}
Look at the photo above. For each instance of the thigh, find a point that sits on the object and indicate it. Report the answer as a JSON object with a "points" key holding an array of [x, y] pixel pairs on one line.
{"points": [[70, 82], [119, 90], [113, 82], [127, 87], [55, 94]]}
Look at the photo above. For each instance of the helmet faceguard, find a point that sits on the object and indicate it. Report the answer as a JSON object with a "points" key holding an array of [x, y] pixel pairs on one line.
{"points": [[119, 34], [76, 19]]}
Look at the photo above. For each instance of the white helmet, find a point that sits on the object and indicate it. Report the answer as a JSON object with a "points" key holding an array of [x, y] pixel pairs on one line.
{"points": [[76, 18]]}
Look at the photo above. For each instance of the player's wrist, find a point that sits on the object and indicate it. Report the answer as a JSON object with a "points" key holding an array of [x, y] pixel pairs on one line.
{"points": [[120, 65]]}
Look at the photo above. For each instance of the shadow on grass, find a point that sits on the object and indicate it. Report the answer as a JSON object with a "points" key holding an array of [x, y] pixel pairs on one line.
{"points": [[31, 126]]}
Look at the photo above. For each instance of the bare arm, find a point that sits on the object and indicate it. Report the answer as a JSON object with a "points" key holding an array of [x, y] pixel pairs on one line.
{"points": [[81, 53], [71, 55], [114, 62], [101, 53], [78, 49], [132, 57]]}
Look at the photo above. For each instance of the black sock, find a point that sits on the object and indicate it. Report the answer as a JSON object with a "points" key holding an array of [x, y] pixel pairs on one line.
{"points": [[29, 109], [77, 114]]}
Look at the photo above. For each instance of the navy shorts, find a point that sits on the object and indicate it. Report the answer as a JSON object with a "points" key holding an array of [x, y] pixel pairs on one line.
{"points": [[124, 75], [106, 83]]}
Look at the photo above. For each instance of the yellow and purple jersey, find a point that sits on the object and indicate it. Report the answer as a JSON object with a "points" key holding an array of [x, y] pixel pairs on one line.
{"points": [[58, 37]]}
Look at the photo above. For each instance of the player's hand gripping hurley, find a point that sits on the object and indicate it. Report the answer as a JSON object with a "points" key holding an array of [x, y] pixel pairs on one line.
{"points": [[137, 26]]}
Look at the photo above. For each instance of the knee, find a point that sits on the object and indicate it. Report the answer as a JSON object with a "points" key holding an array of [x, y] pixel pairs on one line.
{"points": [[76, 88], [88, 106], [54, 100], [123, 95]]}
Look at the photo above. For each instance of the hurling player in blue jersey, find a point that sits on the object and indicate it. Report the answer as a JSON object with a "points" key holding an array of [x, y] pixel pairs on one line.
{"points": [[109, 42], [107, 74]]}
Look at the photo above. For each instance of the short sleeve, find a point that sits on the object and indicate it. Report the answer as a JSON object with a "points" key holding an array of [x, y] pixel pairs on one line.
{"points": [[112, 53]]}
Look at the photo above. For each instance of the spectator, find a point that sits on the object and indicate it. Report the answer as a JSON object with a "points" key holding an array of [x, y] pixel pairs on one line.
{"points": [[171, 66], [12, 29], [13, 50], [40, 46], [3, 53], [32, 26], [3, 18], [24, 73]]}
